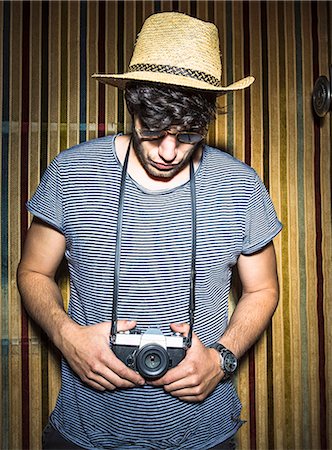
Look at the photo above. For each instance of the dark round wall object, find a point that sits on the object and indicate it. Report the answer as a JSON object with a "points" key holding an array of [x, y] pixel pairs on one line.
{"points": [[321, 96]]}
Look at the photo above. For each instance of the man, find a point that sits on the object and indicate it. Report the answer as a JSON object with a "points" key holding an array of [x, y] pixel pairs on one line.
{"points": [[152, 223]]}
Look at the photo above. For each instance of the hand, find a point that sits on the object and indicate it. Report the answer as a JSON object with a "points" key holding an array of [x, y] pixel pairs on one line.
{"points": [[87, 350], [198, 373]]}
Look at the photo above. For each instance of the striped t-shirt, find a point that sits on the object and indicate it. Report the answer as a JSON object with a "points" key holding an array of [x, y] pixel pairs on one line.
{"points": [[78, 195]]}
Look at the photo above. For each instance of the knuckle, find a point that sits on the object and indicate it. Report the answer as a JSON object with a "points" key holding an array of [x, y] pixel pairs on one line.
{"points": [[191, 370], [121, 371], [88, 374], [123, 384], [199, 391], [95, 367], [84, 378]]}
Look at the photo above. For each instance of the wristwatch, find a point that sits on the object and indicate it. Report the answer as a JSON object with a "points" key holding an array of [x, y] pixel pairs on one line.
{"points": [[228, 361]]}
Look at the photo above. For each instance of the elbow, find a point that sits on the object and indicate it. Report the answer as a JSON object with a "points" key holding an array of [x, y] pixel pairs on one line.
{"points": [[19, 274], [276, 297]]}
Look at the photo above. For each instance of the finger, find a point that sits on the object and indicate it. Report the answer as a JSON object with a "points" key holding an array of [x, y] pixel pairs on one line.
{"points": [[116, 371], [112, 378], [197, 393], [122, 325], [186, 391], [107, 378], [176, 374], [125, 325], [184, 383], [191, 399], [182, 328], [169, 378], [94, 384]]}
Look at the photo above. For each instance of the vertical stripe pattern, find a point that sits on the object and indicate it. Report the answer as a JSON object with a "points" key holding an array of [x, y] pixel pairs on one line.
{"points": [[25, 125], [5, 377], [319, 256], [48, 102]]}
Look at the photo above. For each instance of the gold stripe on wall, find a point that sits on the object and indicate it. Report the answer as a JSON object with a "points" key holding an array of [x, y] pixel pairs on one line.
{"points": [[325, 60], [293, 250], [220, 124], [274, 175], [14, 313], [310, 231], [73, 73], [238, 99], [128, 40], [257, 162], [111, 66], [35, 370], [54, 80], [92, 65]]}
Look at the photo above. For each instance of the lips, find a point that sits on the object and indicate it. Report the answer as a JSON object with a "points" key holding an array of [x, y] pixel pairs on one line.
{"points": [[161, 166]]}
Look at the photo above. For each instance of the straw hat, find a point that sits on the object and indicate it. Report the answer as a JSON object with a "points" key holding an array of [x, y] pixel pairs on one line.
{"points": [[176, 49]]}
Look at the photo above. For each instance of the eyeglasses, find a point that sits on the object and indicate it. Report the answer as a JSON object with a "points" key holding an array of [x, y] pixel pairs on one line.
{"points": [[185, 137]]}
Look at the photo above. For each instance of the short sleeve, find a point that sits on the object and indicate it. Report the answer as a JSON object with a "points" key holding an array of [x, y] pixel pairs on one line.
{"points": [[262, 224], [46, 203]]}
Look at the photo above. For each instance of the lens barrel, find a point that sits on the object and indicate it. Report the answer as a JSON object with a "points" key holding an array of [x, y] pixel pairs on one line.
{"points": [[152, 361]]}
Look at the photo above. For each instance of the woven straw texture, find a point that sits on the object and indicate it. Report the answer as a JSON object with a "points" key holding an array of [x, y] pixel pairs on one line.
{"points": [[48, 102], [175, 48]]}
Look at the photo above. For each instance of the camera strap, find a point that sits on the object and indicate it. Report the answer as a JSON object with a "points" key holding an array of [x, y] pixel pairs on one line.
{"points": [[116, 283]]}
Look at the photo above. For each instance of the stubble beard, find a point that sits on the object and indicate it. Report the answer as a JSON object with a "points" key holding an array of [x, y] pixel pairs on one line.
{"points": [[154, 172]]}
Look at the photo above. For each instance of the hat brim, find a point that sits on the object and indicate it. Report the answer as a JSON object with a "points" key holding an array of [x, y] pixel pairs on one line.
{"points": [[120, 81]]}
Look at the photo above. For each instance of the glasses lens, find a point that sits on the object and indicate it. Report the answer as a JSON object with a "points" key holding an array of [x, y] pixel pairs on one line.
{"points": [[151, 134], [189, 138], [185, 137]]}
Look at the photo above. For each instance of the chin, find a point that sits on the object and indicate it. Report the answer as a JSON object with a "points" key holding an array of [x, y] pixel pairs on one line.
{"points": [[160, 174]]}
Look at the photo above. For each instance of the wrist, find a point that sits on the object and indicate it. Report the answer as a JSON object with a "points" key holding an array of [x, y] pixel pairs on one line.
{"points": [[63, 333], [227, 360]]}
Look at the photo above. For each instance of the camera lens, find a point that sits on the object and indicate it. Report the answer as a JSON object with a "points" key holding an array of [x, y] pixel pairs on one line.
{"points": [[152, 361]]}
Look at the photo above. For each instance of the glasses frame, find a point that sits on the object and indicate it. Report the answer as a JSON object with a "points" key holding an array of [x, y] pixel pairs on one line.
{"points": [[160, 134]]}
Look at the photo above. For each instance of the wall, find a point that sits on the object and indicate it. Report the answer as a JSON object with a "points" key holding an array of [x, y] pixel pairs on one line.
{"points": [[48, 102]]}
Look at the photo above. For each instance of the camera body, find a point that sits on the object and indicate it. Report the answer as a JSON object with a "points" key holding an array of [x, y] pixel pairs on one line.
{"points": [[151, 353]]}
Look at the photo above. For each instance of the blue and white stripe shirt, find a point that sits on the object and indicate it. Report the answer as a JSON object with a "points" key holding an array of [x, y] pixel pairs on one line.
{"points": [[78, 195]]}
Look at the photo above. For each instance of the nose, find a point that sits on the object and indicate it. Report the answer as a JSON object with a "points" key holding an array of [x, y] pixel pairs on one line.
{"points": [[168, 148]]}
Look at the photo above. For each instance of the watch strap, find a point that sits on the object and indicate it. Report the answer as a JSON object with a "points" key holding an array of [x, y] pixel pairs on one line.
{"points": [[223, 351]]}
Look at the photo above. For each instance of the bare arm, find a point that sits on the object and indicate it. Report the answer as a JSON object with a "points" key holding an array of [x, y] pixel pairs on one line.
{"points": [[258, 302], [193, 381], [43, 251], [86, 348]]}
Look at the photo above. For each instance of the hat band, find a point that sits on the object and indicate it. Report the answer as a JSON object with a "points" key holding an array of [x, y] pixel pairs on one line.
{"points": [[196, 74]]}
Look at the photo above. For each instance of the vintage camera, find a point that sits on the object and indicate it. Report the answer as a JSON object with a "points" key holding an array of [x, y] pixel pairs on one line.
{"points": [[150, 353]]}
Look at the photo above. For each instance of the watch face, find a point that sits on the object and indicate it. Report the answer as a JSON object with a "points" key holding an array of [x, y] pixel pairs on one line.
{"points": [[230, 362]]}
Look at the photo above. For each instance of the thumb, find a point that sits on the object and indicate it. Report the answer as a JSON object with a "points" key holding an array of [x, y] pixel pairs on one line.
{"points": [[124, 325], [180, 328]]}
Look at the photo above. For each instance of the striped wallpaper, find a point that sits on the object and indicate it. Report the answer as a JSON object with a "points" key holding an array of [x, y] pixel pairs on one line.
{"points": [[48, 102]]}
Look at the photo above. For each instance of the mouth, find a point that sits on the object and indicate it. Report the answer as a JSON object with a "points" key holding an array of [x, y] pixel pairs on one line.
{"points": [[161, 166]]}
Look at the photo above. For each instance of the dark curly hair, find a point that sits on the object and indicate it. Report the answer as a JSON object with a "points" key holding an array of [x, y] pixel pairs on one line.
{"points": [[160, 106]]}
